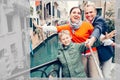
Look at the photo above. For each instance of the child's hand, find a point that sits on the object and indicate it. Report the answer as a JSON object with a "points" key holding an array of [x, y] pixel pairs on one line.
{"points": [[51, 77]]}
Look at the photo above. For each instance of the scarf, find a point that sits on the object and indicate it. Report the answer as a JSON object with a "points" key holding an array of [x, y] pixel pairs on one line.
{"points": [[75, 26]]}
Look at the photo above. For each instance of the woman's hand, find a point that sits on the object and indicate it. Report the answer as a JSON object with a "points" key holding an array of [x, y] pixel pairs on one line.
{"points": [[36, 25], [110, 35], [90, 42]]}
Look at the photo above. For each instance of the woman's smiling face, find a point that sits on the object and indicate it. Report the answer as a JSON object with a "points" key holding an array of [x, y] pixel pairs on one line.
{"points": [[75, 15], [90, 13]]}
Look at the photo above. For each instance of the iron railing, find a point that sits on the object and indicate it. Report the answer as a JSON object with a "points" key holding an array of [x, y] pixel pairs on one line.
{"points": [[41, 60], [40, 68]]}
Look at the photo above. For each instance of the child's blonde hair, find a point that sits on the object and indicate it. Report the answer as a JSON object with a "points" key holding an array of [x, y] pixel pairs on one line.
{"points": [[63, 32]]}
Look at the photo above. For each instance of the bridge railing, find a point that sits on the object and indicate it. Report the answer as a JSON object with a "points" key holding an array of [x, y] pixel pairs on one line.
{"points": [[43, 53], [42, 58], [41, 69]]}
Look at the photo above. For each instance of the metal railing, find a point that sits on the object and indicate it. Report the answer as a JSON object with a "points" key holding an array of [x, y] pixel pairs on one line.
{"points": [[40, 68], [44, 67], [41, 60]]}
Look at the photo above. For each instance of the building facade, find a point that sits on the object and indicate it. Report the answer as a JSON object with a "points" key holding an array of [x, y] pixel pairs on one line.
{"points": [[46, 12], [13, 37], [14, 29]]}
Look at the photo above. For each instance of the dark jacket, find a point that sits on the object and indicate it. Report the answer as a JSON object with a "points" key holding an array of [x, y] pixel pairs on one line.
{"points": [[100, 27]]}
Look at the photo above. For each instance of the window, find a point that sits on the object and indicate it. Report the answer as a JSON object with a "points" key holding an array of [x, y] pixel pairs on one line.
{"points": [[10, 22], [46, 13], [53, 11], [13, 50], [99, 11], [30, 22], [48, 6], [32, 25], [58, 13], [2, 53]]}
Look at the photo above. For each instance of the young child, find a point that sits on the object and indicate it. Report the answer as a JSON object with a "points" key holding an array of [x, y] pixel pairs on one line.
{"points": [[69, 55]]}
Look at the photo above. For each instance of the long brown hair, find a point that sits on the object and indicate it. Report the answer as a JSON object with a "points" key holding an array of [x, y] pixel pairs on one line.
{"points": [[74, 8]]}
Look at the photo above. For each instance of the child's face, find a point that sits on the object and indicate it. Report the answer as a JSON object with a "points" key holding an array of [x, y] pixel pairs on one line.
{"points": [[65, 39]]}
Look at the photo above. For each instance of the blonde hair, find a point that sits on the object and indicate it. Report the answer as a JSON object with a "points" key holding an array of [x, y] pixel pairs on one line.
{"points": [[63, 32], [89, 3]]}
